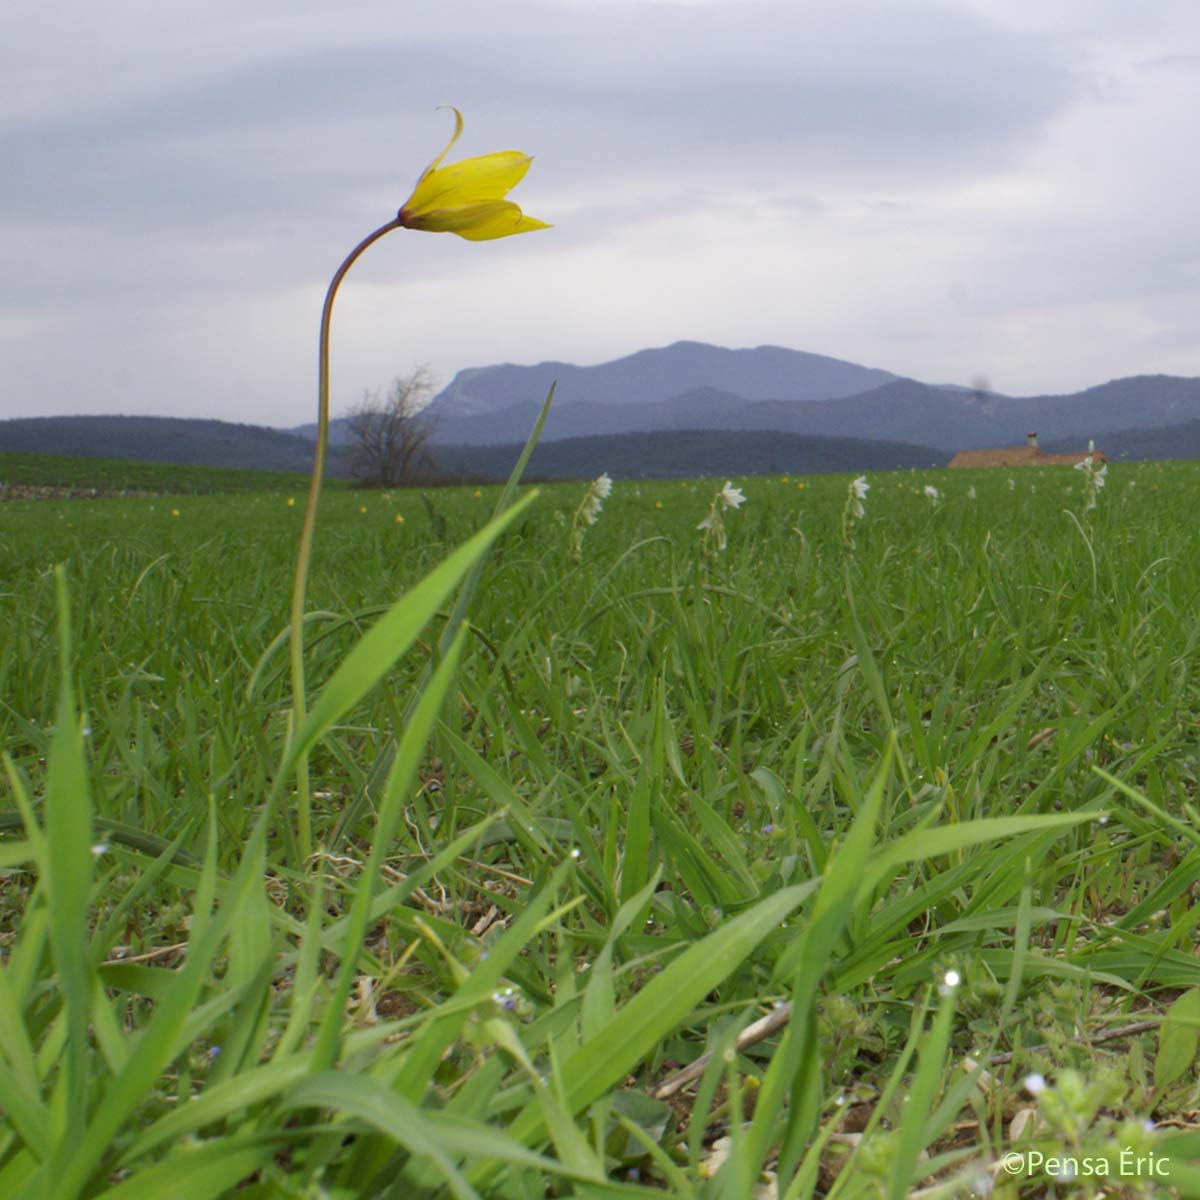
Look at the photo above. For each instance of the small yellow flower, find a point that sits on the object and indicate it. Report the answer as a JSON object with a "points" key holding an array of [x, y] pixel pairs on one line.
{"points": [[802, 486], [363, 509], [467, 197], [658, 504], [291, 502], [399, 518], [174, 512], [478, 493]]}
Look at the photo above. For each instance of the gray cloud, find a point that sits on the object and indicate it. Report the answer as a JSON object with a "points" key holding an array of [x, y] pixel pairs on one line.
{"points": [[760, 95], [904, 145]]}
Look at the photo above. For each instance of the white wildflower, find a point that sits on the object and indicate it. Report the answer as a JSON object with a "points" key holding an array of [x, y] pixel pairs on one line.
{"points": [[713, 526], [971, 492], [730, 496], [1093, 477], [932, 493], [1012, 484], [854, 511], [589, 509]]}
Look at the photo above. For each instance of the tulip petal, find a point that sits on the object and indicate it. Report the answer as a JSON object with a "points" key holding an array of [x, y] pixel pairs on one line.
{"points": [[488, 177], [429, 170], [502, 225], [477, 222], [459, 124]]}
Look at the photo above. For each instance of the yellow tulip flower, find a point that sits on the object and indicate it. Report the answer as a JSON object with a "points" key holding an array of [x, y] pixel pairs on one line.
{"points": [[467, 197]]}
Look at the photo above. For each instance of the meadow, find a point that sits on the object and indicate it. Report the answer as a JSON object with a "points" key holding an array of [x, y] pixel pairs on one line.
{"points": [[787, 869]]}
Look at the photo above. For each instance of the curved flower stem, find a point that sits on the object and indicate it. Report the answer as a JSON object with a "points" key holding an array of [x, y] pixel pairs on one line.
{"points": [[304, 553]]}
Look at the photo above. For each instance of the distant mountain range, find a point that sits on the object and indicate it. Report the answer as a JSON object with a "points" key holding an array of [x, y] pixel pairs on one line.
{"points": [[651, 376], [691, 385], [688, 408]]}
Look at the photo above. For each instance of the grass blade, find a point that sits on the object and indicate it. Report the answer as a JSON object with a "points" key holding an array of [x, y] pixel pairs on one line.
{"points": [[67, 869]]}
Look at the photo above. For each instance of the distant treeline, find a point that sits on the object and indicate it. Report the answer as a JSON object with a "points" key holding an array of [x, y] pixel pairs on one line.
{"points": [[56, 451], [186, 441], [658, 455], [687, 454]]}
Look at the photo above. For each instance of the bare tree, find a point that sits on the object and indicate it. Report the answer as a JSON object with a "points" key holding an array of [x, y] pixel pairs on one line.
{"points": [[389, 430]]}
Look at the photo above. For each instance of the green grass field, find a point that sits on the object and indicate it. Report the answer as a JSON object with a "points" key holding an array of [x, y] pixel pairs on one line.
{"points": [[929, 804]]}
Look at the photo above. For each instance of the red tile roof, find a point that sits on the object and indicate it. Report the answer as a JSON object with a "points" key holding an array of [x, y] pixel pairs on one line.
{"points": [[1021, 456]]}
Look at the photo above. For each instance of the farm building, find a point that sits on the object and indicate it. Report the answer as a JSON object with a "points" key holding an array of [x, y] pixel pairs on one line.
{"points": [[1028, 455]]}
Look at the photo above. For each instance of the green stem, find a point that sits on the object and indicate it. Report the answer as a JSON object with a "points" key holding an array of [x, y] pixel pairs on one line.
{"points": [[304, 554]]}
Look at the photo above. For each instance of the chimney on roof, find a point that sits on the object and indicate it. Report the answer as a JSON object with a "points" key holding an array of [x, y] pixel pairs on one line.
{"points": [[1031, 442]]}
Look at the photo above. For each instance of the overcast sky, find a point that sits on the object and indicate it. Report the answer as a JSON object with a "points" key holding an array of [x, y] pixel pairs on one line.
{"points": [[949, 190]]}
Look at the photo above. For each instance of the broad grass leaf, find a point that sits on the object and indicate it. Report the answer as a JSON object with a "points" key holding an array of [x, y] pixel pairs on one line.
{"points": [[392, 1114], [220, 1101], [924, 844], [1178, 1038], [23, 1108], [205, 1172], [67, 869]]}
